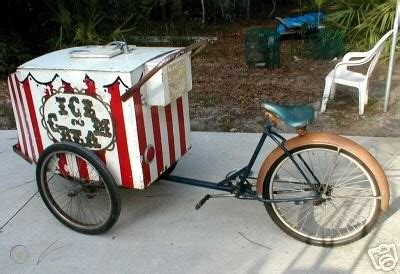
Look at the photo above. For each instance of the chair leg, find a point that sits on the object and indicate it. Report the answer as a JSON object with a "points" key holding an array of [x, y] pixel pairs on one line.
{"points": [[361, 100], [323, 103], [325, 97], [333, 91], [363, 91], [365, 87]]}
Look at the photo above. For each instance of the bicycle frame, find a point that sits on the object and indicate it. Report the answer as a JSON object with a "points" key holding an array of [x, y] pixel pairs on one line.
{"points": [[242, 189]]}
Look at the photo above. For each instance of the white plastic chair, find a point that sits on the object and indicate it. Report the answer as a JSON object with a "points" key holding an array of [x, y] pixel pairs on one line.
{"points": [[341, 75]]}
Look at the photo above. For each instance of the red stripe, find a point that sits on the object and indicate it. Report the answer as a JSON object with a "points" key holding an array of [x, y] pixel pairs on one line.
{"points": [[11, 88], [90, 86], [32, 113], [141, 130], [26, 119], [157, 139], [120, 134], [82, 167], [101, 155], [62, 163], [91, 90], [68, 88], [181, 120], [170, 130]]}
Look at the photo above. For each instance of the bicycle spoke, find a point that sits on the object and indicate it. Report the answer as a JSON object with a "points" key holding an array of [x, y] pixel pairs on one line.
{"points": [[331, 170], [349, 197], [79, 202]]}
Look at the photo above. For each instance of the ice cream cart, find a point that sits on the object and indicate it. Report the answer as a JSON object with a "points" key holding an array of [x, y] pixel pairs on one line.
{"points": [[74, 95], [96, 118]]}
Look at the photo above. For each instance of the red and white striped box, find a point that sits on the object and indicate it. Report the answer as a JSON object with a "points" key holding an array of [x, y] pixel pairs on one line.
{"points": [[74, 95]]}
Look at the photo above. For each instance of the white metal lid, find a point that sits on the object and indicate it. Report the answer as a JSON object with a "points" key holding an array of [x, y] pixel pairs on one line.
{"points": [[96, 58], [96, 52]]}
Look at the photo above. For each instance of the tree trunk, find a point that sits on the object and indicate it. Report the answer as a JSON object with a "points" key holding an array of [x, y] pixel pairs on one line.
{"points": [[177, 10], [273, 9], [248, 9], [163, 5], [203, 12]]}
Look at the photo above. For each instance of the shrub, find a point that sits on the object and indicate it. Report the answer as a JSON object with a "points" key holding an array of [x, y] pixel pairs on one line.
{"points": [[13, 52], [362, 21]]}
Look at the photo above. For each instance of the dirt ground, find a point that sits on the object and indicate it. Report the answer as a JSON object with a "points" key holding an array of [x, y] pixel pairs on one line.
{"points": [[226, 94]]}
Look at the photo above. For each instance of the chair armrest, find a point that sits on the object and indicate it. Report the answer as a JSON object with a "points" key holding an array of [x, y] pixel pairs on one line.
{"points": [[348, 56], [350, 64], [364, 59]]}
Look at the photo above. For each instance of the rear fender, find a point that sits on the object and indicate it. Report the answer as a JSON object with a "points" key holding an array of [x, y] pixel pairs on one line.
{"points": [[329, 139]]}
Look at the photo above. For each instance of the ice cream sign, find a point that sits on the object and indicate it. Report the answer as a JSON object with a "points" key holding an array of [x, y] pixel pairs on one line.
{"points": [[78, 118]]}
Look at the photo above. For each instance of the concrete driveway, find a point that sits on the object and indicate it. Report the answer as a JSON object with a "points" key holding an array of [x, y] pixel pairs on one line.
{"points": [[159, 230]]}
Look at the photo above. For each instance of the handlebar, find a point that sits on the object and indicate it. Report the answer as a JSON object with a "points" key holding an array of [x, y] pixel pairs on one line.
{"points": [[195, 48]]}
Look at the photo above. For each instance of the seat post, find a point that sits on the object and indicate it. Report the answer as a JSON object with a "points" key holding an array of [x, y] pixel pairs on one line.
{"points": [[301, 131]]}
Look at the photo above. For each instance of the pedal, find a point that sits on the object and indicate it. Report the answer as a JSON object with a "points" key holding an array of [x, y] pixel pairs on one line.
{"points": [[202, 201], [208, 196]]}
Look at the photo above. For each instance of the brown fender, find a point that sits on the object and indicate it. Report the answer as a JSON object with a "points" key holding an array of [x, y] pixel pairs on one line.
{"points": [[329, 139]]}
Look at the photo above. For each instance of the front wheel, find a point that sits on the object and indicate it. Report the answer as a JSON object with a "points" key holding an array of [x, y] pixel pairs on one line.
{"points": [[77, 188], [349, 203]]}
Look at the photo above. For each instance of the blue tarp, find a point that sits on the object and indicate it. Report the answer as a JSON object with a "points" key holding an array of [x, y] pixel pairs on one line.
{"points": [[309, 20]]}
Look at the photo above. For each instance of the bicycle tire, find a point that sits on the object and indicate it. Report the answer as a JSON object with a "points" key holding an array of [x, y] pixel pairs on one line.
{"points": [[87, 192], [295, 230]]}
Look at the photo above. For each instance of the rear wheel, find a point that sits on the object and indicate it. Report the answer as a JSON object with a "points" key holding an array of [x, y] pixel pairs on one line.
{"points": [[77, 188], [349, 203]]}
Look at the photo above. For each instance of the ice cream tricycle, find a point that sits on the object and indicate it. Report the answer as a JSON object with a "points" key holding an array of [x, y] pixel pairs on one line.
{"points": [[97, 118]]}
